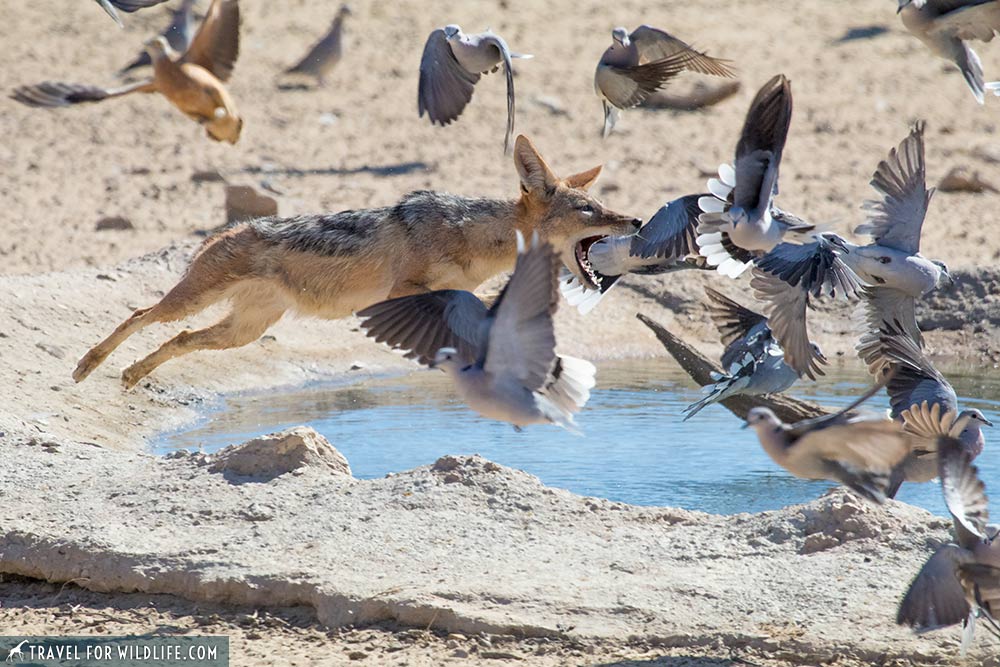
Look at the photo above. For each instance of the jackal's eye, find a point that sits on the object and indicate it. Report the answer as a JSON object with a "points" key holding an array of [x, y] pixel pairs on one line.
{"points": [[585, 209]]}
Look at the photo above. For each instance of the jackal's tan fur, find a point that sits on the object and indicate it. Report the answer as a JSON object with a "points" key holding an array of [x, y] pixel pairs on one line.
{"points": [[330, 266]]}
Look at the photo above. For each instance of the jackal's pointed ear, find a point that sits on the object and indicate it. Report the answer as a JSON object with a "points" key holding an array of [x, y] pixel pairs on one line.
{"points": [[534, 173], [584, 179]]}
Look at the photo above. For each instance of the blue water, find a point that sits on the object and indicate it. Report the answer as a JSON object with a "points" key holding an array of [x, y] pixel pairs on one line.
{"points": [[635, 448]]}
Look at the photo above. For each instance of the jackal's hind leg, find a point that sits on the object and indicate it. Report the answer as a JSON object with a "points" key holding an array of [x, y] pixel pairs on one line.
{"points": [[245, 323], [184, 299]]}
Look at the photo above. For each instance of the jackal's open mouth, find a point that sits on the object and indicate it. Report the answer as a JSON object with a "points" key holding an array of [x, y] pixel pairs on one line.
{"points": [[581, 252]]}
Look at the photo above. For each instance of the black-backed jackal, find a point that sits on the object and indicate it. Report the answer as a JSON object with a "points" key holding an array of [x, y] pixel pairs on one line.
{"points": [[332, 265]]}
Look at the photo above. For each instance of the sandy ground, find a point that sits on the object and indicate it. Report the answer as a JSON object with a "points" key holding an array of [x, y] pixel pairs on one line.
{"points": [[360, 143], [290, 636]]}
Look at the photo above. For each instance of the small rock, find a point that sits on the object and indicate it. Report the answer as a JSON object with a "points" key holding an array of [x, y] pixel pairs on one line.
{"points": [[208, 176], [357, 655], [53, 350], [245, 203], [113, 222], [104, 276], [551, 104], [358, 366], [989, 154], [446, 464], [819, 542], [499, 655], [327, 119], [257, 512], [452, 478], [459, 653], [961, 179], [277, 453], [268, 185]]}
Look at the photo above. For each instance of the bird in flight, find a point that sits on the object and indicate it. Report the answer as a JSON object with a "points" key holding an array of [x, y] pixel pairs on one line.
{"points": [[192, 81], [452, 65], [639, 63]]}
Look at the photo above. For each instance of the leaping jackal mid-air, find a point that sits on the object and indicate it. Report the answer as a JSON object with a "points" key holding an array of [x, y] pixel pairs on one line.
{"points": [[332, 265]]}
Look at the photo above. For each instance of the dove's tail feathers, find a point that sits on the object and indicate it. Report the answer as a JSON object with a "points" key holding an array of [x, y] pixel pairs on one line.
{"points": [[968, 633], [581, 297], [724, 387], [611, 116], [719, 251], [972, 70], [715, 223], [870, 485], [569, 386]]}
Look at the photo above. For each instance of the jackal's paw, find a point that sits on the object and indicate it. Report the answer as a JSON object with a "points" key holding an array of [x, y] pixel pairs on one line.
{"points": [[86, 366], [132, 375]]}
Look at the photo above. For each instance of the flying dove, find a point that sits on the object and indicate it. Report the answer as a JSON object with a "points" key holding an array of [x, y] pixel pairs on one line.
{"points": [[888, 274], [179, 34], [639, 63], [960, 582], [922, 398], [947, 26], [662, 245], [740, 221], [502, 359], [892, 264], [858, 452], [191, 81], [451, 66], [126, 6], [324, 55], [752, 360], [788, 277]]}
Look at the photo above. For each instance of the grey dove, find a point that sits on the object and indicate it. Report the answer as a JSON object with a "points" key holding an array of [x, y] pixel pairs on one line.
{"points": [[858, 452], [888, 274], [947, 26], [789, 277], [178, 34], [639, 63], [450, 68], [740, 221], [110, 6], [753, 361], [960, 582], [663, 244], [324, 55], [922, 398], [501, 359], [892, 264]]}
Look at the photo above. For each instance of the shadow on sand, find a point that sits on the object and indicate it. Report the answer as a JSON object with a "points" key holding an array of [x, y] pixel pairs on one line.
{"points": [[399, 169], [678, 661]]}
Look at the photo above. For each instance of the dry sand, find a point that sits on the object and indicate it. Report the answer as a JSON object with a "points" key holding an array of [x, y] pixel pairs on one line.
{"points": [[359, 143]]}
